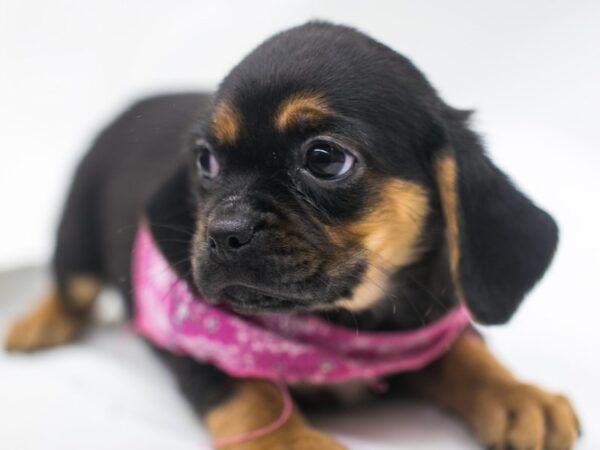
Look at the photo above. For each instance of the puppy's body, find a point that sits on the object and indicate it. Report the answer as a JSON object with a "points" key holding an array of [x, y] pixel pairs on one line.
{"points": [[142, 150], [128, 163], [420, 221]]}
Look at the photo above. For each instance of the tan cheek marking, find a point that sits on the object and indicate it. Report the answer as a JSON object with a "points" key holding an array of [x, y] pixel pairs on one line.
{"points": [[445, 170], [305, 107], [226, 123], [390, 234]]}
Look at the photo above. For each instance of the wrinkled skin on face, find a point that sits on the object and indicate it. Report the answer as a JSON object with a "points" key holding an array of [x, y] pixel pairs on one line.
{"points": [[316, 242]]}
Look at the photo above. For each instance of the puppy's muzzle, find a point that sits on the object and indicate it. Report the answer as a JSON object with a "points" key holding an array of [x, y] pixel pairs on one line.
{"points": [[229, 235], [254, 258]]}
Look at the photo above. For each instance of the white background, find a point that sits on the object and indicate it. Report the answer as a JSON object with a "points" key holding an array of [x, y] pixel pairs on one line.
{"points": [[530, 68]]}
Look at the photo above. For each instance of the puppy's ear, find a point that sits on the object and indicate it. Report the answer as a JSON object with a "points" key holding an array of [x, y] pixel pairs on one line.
{"points": [[499, 242], [170, 213]]}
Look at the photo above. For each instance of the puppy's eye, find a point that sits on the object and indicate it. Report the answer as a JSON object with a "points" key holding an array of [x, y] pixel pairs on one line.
{"points": [[327, 161], [207, 163]]}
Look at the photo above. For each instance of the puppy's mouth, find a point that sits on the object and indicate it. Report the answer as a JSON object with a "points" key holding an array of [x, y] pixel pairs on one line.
{"points": [[254, 292], [253, 300], [285, 280]]}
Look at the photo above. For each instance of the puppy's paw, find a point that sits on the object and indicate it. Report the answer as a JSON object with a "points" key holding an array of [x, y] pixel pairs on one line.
{"points": [[304, 438], [48, 325], [309, 439], [517, 416]]}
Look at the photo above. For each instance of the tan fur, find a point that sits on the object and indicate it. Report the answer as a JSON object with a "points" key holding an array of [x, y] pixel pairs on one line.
{"points": [[47, 325], [306, 107], [503, 412], [390, 234], [257, 403], [226, 123], [83, 290], [446, 175], [50, 323]]}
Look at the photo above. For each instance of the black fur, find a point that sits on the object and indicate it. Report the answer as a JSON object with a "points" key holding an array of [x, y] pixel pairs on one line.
{"points": [[506, 242], [142, 166]]}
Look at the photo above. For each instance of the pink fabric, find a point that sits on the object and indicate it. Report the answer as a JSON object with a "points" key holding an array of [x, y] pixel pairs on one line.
{"points": [[291, 348]]}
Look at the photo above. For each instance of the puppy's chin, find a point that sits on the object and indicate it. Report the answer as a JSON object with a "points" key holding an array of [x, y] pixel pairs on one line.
{"points": [[255, 300], [249, 300], [270, 288]]}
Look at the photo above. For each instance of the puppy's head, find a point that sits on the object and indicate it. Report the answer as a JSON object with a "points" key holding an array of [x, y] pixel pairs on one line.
{"points": [[329, 166]]}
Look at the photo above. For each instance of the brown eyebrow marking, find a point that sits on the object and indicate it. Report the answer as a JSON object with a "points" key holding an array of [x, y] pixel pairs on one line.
{"points": [[226, 123], [304, 106]]}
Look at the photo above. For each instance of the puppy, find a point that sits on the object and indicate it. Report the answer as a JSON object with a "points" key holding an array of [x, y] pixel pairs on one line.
{"points": [[325, 177]]}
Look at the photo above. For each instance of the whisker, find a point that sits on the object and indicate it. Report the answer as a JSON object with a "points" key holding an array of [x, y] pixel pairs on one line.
{"points": [[176, 241], [173, 228]]}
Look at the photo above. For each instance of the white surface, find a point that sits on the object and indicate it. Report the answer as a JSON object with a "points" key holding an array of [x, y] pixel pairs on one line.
{"points": [[530, 68], [110, 391]]}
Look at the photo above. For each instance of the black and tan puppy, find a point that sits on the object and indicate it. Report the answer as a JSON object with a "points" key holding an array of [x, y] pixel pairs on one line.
{"points": [[324, 175]]}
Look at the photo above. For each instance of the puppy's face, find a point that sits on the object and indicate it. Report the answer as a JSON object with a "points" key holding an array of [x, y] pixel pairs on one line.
{"points": [[296, 208], [329, 164], [309, 197]]}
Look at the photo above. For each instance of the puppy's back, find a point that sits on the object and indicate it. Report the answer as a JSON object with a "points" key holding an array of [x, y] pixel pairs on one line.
{"points": [[125, 164]]}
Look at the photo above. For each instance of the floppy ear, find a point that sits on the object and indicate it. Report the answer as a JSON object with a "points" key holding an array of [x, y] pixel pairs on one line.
{"points": [[170, 213], [499, 242]]}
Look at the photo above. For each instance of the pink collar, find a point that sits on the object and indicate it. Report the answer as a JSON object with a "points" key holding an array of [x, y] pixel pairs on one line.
{"points": [[285, 347]]}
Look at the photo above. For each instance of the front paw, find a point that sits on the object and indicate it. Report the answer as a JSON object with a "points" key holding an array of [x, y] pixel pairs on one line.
{"points": [[47, 325], [309, 439], [252, 406], [516, 416], [304, 438]]}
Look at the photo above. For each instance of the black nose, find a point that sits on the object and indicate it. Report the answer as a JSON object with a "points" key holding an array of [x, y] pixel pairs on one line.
{"points": [[228, 235]]}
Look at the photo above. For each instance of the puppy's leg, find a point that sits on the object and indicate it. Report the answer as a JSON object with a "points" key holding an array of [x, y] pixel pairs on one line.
{"points": [[503, 412], [254, 404], [76, 269], [234, 407], [57, 319]]}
